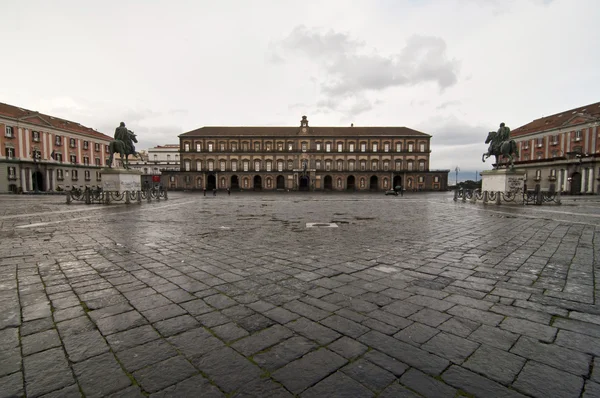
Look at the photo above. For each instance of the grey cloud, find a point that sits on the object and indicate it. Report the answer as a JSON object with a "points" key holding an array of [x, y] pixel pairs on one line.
{"points": [[351, 69], [447, 104], [453, 131]]}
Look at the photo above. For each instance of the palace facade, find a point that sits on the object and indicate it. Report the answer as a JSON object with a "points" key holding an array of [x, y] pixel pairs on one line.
{"points": [[562, 151], [305, 158], [47, 153]]}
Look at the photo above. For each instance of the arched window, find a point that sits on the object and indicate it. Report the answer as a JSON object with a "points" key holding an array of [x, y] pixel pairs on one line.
{"points": [[351, 165], [234, 165], [340, 165], [374, 165], [246, 165], [222, 165], [269, 163], [257, 165], [198, 165], [363, 165], [328, 165], [386, 165], [410, 165], [280, 165], [186, 165], [211, 165]]}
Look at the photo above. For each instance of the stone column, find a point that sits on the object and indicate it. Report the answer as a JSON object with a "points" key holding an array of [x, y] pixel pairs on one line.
{"points": [[30, 180], [584, 180], [23, 180], [48, 181], [591, 180]]}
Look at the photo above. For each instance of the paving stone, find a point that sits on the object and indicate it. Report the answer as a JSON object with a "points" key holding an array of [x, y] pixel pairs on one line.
{"points": [[162, 313], [195, 342], [39, 325], [256, 322], [426, 385], [579, 342], [262, 388], [416, 334], [93, 374], [284, 352], [589, 329], [129, 392], [429, 317], [532, 329], [422, 360], [150, 302], [337, 385], [368, 374], [117, 323], [524, 313], [476, 315], [237, 312], [395, 390], [591, 389], [261, 306], [495, 364], [195, 386], [308, 370], [551, 354], [71, 391], [146, 354], [74, 326], [433, 303], [380, 326], [132, 337], [347, 347], [345, 326], [261, 340], [386, 362], [68, 313], [165, 373], [12, 385], [390, 319], [227, 368], [459, 326], [229, 332], [281, 315], [313, 331], [477, 385], [219, 301], [402, 308], [36, 311], [46, 371], [308, 311], [469, 302], [494, 337], [40, 341], [212, 319], [543, 381], [451, 347], [84, 345], [109, 311], [176, 325]]}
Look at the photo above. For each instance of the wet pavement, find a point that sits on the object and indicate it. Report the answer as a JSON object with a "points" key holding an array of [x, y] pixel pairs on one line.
{"points": [[235, 296]]}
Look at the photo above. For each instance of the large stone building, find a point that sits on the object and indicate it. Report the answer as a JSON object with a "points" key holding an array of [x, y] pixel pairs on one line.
{"points": [[562, 151], [154, 161], [46, 153], [305, 158]]}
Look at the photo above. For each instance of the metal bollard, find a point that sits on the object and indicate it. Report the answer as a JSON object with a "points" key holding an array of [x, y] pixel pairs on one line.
{"points": [[498, 197], [485, 197], [68, 198], [139, 197], [455, 195], [127, 199]]}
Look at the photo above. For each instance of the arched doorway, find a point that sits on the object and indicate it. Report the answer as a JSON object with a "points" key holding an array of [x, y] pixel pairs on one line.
{"points": [[280, 182], [350, 181], [373, 182], [304, 183], [257, 183], [397, 182], [328, 182], [38, 181], [575, 183], [235, 182], [211, 182]]}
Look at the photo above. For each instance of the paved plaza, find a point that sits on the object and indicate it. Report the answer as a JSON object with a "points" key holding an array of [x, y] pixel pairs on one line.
{"points": [[236, 297]]}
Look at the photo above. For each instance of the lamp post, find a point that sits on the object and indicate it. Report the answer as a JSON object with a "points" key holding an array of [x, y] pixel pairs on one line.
{"points": [[36, 156], [457, 169]]}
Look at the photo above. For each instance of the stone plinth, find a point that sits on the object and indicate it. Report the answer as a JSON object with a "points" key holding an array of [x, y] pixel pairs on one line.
{"points": [[121, 180], [503, 180]]}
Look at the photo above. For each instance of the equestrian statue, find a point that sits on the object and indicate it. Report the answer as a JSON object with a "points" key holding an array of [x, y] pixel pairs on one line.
{"points": [[501, 146], [123, 145]]}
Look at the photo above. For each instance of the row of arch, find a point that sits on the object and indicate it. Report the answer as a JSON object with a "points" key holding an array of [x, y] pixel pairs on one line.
{"points": [[303, 183]]}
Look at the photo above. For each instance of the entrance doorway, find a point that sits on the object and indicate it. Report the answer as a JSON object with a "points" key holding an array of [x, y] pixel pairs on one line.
{"points": [[328, 183], [304, 183], [235, 182], [280, 182], [576, 183], [373, 183], [397, 182], [257, 183], [211, 182], [350, 182], [38, 181]]}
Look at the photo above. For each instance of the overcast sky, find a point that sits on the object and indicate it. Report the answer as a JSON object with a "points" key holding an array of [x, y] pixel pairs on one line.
{"points": [[452, 68]]}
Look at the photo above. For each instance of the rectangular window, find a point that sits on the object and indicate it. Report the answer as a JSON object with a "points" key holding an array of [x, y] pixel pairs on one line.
{"points": [[328, 165], [363, 165], [74, 175], [12, 173], [578, 135], [363, 147], [9, 152], [59, 174], [386, 165], [280, 146], [398, 165], [8, 132], [73, 159], [246, 165], [168, 158], [340, 147], [58, 157], [186, 148], [96, 147], [553, 173], [233, 147], [98, 176], [422, 147], [268, 146], [245, 146], [318, 146], [257, 146], [97, 161], [86, 160], [421, 179], [211, 165], [280, 166], [187, 165], [58, 140], [436, 179], [374, 147], [351, 147], [304, 147], [540, 142], [410, 165], [386, 147], [198, 147], [318, 165], [86, 175], [410, 147], [234, 165], [257, 165], [72, 143], [290, 146], [268, 166], [222, 147], [398, 147], [350, 166], [86, 144], [290, 165], [222, 165], [106, 149], [35, 136], [210, 147], [328, 147]]}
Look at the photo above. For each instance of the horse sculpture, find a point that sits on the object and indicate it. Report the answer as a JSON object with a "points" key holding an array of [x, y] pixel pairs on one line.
{"points": [[123, 147], [500, 148]]}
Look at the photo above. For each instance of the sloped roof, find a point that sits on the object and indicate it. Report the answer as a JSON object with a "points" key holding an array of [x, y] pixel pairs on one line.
{"points": [[575, 116], [271, 131], [40, 119]]}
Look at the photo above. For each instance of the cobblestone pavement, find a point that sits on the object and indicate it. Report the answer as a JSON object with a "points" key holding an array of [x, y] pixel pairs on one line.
{"points": [[235, 296]]}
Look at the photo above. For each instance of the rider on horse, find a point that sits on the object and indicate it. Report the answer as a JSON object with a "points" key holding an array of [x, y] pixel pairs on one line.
{"points": [[501, 146]]}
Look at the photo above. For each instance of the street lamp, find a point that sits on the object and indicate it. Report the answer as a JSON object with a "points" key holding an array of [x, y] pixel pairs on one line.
{"points": [[457, 169]]}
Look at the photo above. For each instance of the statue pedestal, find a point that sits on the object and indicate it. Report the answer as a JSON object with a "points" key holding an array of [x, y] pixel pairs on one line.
{"points": [[121, 180], [503, 180]]}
